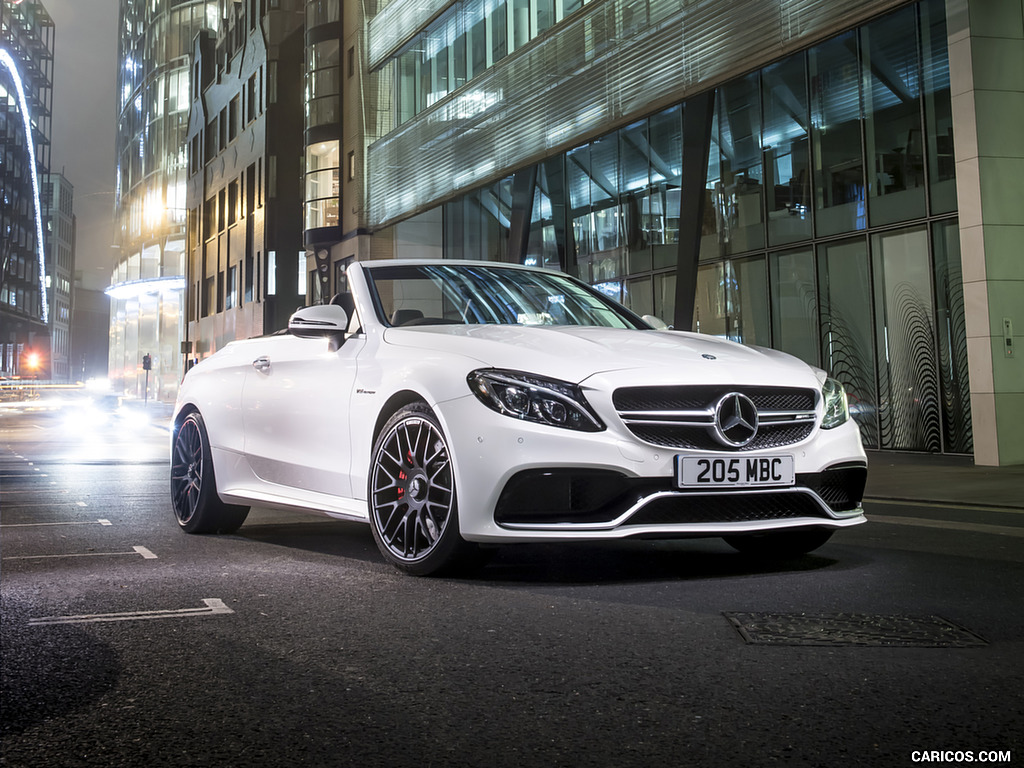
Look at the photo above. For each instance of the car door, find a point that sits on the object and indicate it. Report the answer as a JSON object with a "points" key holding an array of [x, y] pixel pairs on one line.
{"points": [[295, 405]]}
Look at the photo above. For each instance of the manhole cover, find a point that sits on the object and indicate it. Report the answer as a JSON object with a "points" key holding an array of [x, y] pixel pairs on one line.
{"points": [[852, 629]]}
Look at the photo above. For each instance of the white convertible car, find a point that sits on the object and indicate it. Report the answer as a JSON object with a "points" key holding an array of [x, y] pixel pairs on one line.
{"points": [[457, 404]]}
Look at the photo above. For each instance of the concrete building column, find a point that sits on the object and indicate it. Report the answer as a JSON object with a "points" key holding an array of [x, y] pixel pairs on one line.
{"points": [[986, 61]]}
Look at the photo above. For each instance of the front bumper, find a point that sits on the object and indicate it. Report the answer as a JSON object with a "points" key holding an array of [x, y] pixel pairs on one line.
{"points": [[520, 482], [568, 500]]}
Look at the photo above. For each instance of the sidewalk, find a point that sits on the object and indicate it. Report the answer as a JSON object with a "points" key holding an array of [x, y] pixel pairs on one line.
{"points": [[943, 479]]}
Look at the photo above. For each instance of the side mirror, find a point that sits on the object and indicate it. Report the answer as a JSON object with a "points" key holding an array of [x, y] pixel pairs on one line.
{"points": [[656, 323], [319, 322]]}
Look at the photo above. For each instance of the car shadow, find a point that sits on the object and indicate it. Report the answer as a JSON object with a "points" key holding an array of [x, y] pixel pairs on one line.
{"points": [[636, 561], [321, 536], [49, 671], [576, 563]]}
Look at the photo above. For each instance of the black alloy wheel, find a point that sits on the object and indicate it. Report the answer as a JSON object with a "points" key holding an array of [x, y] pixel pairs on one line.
{"points": [[413, 503], [197, 507]]}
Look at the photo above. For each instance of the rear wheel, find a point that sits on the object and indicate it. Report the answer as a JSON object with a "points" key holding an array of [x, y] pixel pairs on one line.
{"points": [[194, 498], [780, 544], [412, 497]]}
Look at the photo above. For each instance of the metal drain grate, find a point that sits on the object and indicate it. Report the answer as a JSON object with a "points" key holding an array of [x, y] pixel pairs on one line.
{"points": [[856, 629]]}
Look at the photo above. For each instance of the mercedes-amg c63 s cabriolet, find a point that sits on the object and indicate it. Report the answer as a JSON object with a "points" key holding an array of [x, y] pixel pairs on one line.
{"points": [[453, 405]]}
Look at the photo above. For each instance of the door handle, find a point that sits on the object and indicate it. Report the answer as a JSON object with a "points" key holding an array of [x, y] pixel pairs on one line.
{"points": [[261, 363]]}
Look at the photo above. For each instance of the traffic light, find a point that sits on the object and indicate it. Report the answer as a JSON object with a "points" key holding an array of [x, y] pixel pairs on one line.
{"points": [[147, 362]]}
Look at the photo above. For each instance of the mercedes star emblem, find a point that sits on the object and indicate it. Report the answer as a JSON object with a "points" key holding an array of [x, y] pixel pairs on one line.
{"points": [[735, 420]]}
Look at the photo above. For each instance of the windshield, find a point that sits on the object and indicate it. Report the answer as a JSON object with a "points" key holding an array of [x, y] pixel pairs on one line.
{"points": [[432, 294]]}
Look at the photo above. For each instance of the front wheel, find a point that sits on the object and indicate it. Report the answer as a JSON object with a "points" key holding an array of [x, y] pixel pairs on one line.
{"points": [[412, 496], [197, 507], [780, 544]]}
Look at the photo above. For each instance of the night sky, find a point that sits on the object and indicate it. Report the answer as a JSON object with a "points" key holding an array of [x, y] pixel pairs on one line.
{"points": [[85, 123]]}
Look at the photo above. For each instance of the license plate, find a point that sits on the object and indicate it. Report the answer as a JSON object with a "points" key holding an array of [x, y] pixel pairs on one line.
{"points": [[728, 471]]}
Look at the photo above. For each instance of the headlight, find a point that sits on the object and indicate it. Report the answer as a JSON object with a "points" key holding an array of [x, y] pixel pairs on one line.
{"points": [[837, 411], [534, 398]]}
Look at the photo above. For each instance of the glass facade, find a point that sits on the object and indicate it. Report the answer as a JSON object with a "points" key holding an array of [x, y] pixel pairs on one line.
{"points": [[323, 119], [466, 40], [829, 223], [26, 265], [147, 280]]}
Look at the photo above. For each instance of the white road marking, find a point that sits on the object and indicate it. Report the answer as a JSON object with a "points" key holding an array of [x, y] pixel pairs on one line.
{"points": [[101, 521], [953, 525], [214, 606], [135, 551], [81, 504]]}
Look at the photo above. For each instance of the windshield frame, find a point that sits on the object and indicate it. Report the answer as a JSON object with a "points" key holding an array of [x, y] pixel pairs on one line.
{"points": [[441, 272]]}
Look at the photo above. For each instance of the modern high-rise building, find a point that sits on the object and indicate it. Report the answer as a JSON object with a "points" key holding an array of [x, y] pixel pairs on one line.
{"points": [[837, 180], [59, 231], [246, 262], [26, 101], [147, 287]]}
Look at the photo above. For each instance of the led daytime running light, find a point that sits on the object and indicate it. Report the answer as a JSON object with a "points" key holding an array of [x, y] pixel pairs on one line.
{"points": [[837, 409], [532, 398]]}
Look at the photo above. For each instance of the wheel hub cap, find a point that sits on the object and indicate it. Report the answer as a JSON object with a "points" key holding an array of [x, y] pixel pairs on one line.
{"points": [[418, 488]]}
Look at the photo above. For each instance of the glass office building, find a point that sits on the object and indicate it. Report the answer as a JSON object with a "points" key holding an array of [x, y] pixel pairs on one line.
{"points": [[147, 285], [26, 102], [787, 174]]}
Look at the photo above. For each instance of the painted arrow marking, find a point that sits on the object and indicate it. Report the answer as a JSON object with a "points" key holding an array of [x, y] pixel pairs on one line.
{"points": [[101, 521], [214, 606], [136, 550]]}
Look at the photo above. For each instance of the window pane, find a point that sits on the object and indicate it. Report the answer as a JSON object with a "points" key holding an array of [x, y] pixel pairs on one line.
{"points": [[835, 130], [786, 148], [714, 198], [666, 167], [577, 175], [499, 32], [634, 184], [739, 124], [908, 398], [847, 341], [604, 196], [958, 435], [520, 23], [545, 15], [747, 295], [892, 118], [640, 296], [937, 109], [709, 309], [795, 305]]}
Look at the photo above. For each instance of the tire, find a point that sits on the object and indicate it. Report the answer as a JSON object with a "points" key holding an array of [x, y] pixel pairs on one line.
{"points": [[412, 499], [197, 507], [780, 544]]}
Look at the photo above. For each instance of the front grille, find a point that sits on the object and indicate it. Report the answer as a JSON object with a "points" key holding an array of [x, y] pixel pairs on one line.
{"points": [[571, 496], [727, 508], [683, 416], [704, 396], [701, 439]]}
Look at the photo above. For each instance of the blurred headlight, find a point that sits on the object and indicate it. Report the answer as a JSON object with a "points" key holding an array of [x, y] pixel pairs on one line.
{"points": [[837, 411], [534, 398]]}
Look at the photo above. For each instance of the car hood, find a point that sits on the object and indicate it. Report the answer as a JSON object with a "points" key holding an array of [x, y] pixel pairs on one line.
{"points": [[573, 353]]}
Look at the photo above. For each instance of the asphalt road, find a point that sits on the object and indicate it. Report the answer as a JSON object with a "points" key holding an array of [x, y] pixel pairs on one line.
{"points": [[128, 643]]}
